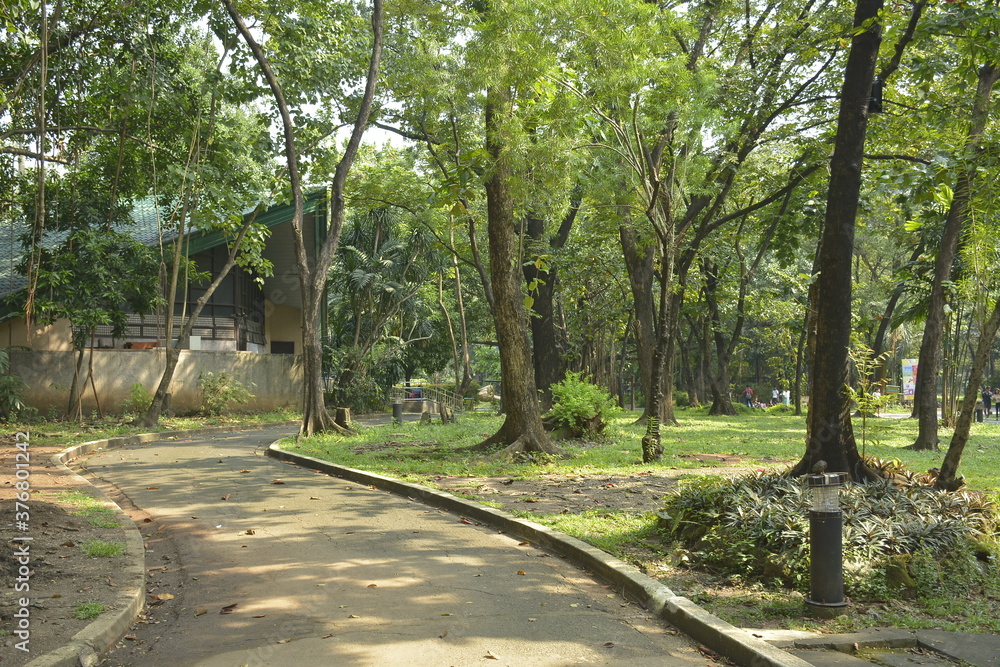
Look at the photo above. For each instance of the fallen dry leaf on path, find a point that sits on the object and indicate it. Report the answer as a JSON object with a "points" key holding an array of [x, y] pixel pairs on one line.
{"points": [[228, 609]]}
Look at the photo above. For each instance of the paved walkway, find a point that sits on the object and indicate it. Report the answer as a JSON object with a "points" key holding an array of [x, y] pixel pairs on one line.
{"points": [[316, 570]]}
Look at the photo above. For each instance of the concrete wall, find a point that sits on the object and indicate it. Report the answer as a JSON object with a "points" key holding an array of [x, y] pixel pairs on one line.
{"points": [[275, 380], [283, 323], [57, 336]]}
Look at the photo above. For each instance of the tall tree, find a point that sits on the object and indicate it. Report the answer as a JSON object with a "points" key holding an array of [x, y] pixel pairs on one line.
{"points": [[313, 270], [925, 398], [830, 437], [208, 193], [541, 277], [522, 429]]}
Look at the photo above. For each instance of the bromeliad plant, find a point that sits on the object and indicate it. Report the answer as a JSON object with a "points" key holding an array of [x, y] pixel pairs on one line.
{"points": [[756, 527]]}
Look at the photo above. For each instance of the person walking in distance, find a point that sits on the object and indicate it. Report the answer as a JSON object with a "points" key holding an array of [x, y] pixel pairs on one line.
{"points": [[747, 397]]}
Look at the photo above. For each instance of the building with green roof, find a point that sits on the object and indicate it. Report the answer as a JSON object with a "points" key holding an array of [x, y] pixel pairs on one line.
{"points": [[250, 329]]}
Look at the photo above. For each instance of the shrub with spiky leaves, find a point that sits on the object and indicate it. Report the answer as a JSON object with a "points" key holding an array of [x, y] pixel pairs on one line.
{"points": [[757, 527]]}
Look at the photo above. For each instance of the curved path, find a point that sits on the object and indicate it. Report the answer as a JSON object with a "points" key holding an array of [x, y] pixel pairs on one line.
{"points": [[258, 562]]}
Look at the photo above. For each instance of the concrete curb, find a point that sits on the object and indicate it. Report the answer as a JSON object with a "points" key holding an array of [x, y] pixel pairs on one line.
{"points": [[717, 635], [85, 646]]}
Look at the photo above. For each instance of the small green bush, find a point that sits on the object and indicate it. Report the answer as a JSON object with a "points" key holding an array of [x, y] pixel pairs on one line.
{"points": [[11, 389], [581, 407], [681, 398], [219, 390], [138, 401]]}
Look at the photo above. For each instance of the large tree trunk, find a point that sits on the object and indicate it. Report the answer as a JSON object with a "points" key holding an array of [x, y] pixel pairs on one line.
{"points": [[830, 435], [548, 362], [522, 429], [925, 396], [547, 343], [658, 399], [639, 266], [722, 403]]}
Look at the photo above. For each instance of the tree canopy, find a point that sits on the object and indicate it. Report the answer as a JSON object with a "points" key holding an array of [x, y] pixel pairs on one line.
{"points": [[645, 193]]}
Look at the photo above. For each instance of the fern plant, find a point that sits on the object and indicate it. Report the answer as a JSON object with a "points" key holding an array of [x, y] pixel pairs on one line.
{"points": [[580, 406]]}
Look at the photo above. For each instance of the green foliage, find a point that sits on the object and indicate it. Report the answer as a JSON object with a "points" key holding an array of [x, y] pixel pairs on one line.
{"points": [[580, 406], [138, 401], [219, 390], [11, 389], [88, 610], [95, 277], [94, 511], [681, 398], [756, 527], [361, 380], [866, 395], [103, 548]]}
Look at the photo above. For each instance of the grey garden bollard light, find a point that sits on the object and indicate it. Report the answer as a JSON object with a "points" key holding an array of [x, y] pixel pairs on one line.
{"points": [[397, 411], [826, 557]]}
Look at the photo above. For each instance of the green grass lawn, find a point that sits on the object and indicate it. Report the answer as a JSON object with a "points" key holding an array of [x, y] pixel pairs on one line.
{"points": [[418, 452]]}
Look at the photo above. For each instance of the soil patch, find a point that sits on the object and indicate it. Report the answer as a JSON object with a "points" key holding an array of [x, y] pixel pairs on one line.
{"points": [[60, 576], [638, 493]]}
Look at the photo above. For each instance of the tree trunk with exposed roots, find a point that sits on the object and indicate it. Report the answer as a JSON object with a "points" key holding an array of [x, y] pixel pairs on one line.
{"points": [[522, 429]]}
